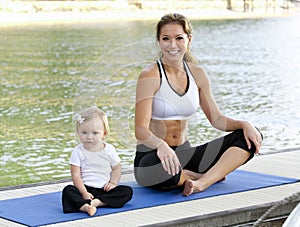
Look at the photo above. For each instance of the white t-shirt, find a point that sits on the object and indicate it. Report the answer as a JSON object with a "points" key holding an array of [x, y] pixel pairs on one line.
{"points": [[95, 167]]}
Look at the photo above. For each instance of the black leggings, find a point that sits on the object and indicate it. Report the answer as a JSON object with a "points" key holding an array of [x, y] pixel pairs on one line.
{"points": [[117, 197], [149, 172]]}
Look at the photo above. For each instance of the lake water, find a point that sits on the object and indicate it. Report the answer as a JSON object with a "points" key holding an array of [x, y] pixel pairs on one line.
{"points": [[49, 71]]}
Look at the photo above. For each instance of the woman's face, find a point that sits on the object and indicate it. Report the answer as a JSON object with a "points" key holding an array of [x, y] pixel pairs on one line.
{"points": [[173, 42]]}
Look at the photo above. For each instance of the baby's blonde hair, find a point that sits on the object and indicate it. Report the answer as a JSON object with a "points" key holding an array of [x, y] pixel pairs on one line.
{"points": [[90, 113]]}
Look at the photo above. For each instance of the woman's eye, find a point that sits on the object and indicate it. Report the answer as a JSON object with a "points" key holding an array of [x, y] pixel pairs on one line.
{"points": [[179, 38], [165, 38]]}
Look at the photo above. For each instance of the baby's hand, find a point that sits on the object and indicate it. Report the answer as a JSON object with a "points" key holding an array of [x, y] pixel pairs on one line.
{"points": [[108, 186], [87, 196]]}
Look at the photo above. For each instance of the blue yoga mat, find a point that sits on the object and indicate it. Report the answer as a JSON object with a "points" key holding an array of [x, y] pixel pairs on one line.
{"points": [[47, 209]]}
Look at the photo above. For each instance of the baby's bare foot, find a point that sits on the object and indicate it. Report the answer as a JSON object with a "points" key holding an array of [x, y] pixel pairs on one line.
{"points": [[97, 203], [90, 209]]}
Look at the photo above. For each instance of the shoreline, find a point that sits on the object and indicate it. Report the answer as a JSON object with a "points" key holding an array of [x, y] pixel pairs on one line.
{"points": [[52, 18]]}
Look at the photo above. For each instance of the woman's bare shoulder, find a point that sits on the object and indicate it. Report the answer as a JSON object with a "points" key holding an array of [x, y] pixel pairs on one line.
{"points": [[149, 71], [196, 68], [198, 73], [149, 80]]}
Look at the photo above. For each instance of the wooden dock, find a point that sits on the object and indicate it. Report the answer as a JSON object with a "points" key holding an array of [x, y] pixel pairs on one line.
{"points": [[238, 209]]}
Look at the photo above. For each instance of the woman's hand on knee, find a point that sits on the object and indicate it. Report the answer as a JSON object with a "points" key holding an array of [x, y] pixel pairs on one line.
{"points": [[252, 134]]}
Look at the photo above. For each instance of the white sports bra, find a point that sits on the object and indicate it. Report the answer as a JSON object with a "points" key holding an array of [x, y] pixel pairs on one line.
{"points": [[168, 104]]}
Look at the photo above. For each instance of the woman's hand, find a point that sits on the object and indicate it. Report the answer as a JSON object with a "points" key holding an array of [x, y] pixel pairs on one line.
{"points": [[168, 159], [252, 134]]}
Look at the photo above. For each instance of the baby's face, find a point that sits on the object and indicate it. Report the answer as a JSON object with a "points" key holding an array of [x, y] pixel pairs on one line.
{"points": [[91, 133]]}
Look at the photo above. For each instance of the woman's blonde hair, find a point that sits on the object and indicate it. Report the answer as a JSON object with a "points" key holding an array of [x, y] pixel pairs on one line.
{"points": [[176, 18], [90, 113]]}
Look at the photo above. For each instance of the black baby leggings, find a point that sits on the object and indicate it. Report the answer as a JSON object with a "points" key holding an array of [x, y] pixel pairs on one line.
{"points": [[116, 197]]}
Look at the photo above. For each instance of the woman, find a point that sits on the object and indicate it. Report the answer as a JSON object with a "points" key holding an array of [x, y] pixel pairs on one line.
{"points": [[168, 93]]}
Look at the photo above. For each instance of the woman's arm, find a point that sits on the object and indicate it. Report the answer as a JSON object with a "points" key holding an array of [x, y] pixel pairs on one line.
{"points": [[78, 183], [214, 115], [148, 83]]}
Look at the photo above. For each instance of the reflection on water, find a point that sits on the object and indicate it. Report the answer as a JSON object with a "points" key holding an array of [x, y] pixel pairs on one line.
{"points": [[257, 68], [47, 72]]}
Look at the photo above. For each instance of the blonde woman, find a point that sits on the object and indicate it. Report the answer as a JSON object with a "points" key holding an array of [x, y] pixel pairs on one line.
{"points": [[168, 92]]}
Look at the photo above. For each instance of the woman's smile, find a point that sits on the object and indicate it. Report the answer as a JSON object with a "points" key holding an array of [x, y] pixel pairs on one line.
{"points": [[173, 51]]}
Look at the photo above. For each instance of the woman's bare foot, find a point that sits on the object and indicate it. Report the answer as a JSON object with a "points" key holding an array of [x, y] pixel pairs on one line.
{"points": [[188, 188], [90, 209], [192, 175], [191, 187], [195, 176]]}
